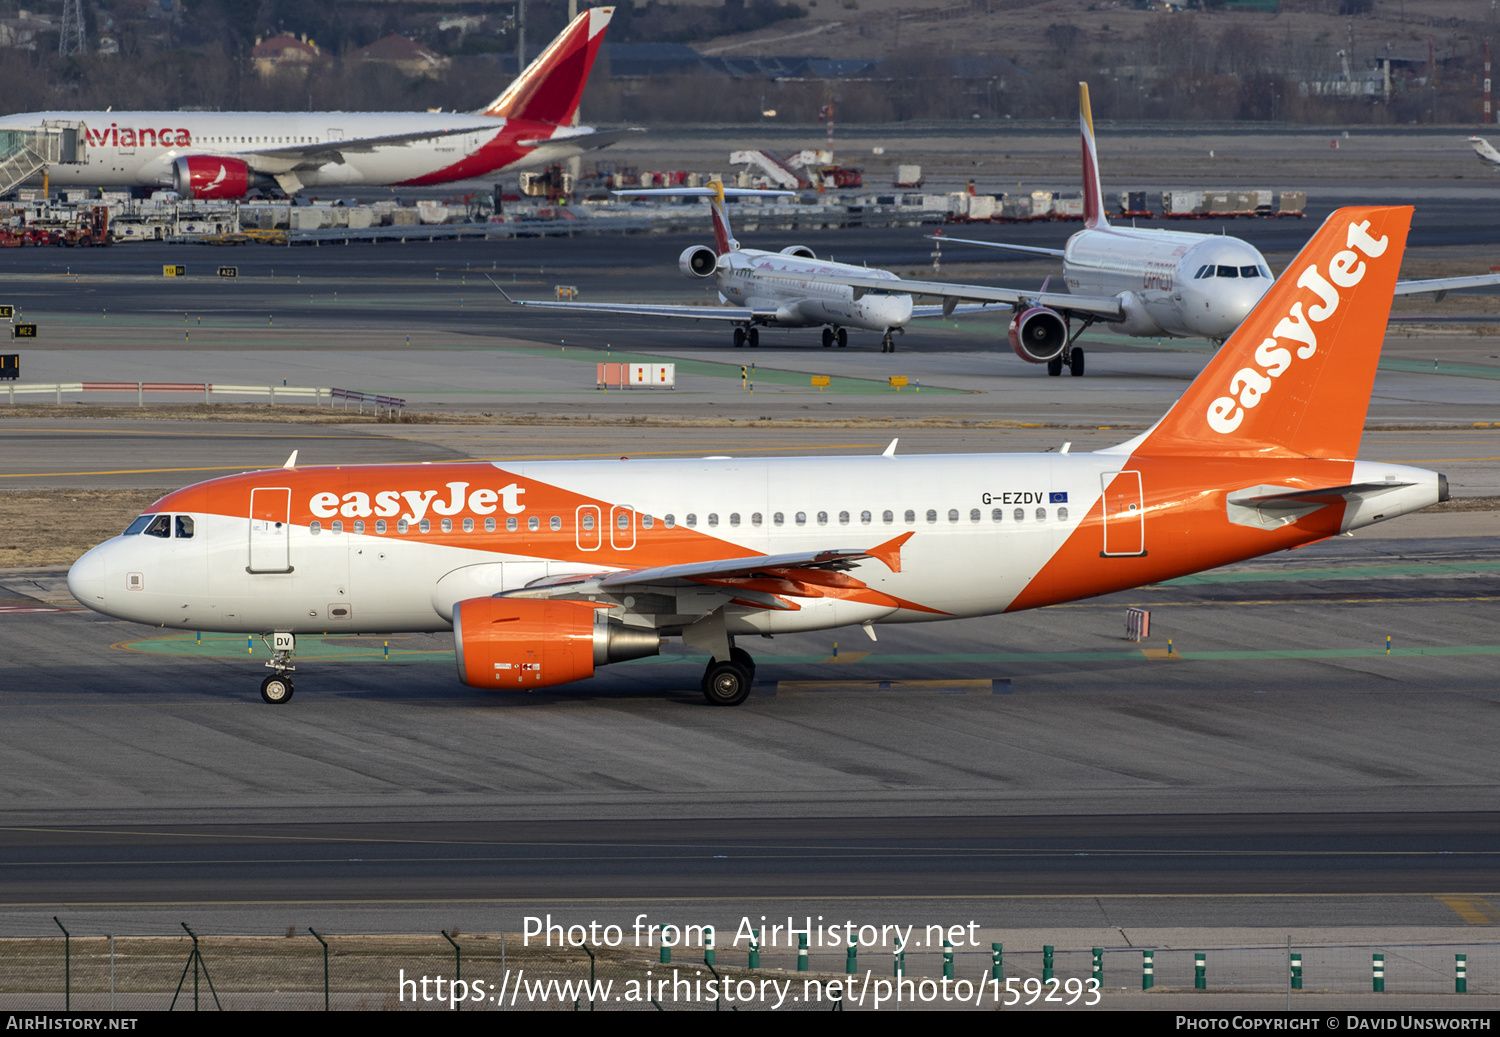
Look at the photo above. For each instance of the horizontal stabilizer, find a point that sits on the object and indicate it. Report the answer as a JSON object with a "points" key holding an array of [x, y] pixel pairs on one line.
{"points": [[1323, 496], [1031, 250]]}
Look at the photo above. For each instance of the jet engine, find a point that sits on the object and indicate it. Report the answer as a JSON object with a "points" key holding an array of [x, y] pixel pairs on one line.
{"points": [[800, 251], [210, 176], [698, 261], [1038, 334], [534, 643]]}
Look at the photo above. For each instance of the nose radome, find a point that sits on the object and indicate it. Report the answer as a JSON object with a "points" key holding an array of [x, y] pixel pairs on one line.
{"points": [[86, 578]]}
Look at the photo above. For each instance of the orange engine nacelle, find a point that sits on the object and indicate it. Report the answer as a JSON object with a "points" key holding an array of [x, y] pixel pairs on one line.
{"points": [[533, 643], [210, 176]]}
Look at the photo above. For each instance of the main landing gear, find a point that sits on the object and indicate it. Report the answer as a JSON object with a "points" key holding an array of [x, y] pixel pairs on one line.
{"points": [[832, 335], [744, 335], [1072, 359], [277, 689], [727, 683]]}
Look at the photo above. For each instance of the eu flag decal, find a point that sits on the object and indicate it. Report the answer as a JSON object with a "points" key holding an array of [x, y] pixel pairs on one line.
{"points": [[1057, 498]]}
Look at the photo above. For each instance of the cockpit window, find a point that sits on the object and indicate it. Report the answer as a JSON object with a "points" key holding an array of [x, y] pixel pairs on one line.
{"points": [[160, 526], [1204, 271], [1228, 271], [184, 527], [139, 524], [1249, 271]]}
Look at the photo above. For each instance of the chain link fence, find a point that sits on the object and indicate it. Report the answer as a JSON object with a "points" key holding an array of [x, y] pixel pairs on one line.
{"points": [[453, 971]]}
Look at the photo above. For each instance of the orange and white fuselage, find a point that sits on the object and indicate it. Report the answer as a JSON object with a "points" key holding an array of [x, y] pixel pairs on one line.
{"points": [[546, 569]]}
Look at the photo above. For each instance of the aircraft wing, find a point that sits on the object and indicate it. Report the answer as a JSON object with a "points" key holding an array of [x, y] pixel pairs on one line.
{"points": [[1098, 307], [782, 566], [1446, 284], [303, 156], [1034, 250], [586, 139], [739, 314], [944, 310]]}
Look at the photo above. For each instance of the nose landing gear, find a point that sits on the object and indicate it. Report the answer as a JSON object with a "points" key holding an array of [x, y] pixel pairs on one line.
{"points": [[277, 689]]}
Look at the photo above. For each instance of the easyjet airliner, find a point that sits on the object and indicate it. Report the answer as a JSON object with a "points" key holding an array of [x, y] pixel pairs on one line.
{"points": [[225, 154], [546, 570]]}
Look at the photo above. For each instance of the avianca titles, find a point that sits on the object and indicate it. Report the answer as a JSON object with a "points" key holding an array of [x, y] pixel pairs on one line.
{"points": [[546, 570], [225, 154]]}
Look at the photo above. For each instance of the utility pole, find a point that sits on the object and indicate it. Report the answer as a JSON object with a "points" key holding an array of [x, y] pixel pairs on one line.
{"points": [[72, 39], [520, 36]]}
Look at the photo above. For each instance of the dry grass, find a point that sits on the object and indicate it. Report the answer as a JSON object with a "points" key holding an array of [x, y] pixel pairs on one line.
{"points": [[54, 527]]}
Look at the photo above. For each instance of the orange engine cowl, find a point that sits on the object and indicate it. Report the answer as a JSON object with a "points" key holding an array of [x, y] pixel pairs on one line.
{"points": [[534, 643]]}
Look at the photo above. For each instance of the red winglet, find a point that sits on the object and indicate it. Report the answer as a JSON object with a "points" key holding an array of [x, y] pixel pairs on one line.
{"points": [[890, 552]]}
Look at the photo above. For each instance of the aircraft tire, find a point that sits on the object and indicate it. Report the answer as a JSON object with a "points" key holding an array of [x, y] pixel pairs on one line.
{"points": [[1075, 363], [276, 690], [744, 658], [827, 338], [726, 683], [752, 337], [739, 337], [1054, 366], [842, 335]]}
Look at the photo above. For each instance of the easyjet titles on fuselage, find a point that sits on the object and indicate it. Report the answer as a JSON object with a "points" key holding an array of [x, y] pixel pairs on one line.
{"points": [[387, 503]]}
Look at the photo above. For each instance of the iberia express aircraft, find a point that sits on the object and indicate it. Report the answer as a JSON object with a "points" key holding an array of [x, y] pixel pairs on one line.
{"points": [[225, 154], [546, 570]]}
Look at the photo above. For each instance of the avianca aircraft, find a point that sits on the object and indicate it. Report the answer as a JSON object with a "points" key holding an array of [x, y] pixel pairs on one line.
{"points": [[1133, 281], [546, 570], [225, 154], [787, 289]]}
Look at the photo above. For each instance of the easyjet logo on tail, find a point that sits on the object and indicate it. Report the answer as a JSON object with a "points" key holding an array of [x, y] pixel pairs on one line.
{"points": [[1296, 331]]}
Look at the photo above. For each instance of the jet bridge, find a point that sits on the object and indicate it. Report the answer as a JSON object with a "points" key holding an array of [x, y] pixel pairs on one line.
{"points": [[26, 152]]}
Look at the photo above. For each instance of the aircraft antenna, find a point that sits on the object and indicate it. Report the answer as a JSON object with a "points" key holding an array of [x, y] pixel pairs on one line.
{"points": [[72, 40]]}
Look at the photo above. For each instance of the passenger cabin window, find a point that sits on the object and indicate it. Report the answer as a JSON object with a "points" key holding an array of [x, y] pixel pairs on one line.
{"points": [[865, 518], [734, 518], [588, 521], [380, 525], [359, 525], [887, 517], [446, 525], [1041, 514], [402, 525], [952, 514], [713, 518], [468, 525], [647, 521], [489, 525], [996, 515], [822, 518], [425, 526], [511, 525], [555, 522], [533, 523], [314, 527], [1062, 514], [755, 519], [669, 521], [184, 527], [691, 520], [974, 515], [160, 526], [336, 526], [1020, 515], [931, 515], [843, 518], [801, 518], [911, 517]]}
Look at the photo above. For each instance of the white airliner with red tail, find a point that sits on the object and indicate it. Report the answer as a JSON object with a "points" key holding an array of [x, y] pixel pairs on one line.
{"points": [[225, 154], [546, 570], [792, 288], [1134, 281]]}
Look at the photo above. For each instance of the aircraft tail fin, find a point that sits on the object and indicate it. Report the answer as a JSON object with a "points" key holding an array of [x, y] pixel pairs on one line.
{"points": [[1093, 197], [548, 90], [724, 242], [1295, 378]]}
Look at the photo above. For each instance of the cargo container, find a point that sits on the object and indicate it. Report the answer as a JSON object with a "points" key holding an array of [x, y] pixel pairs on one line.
{"points": [[908, 176]]}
